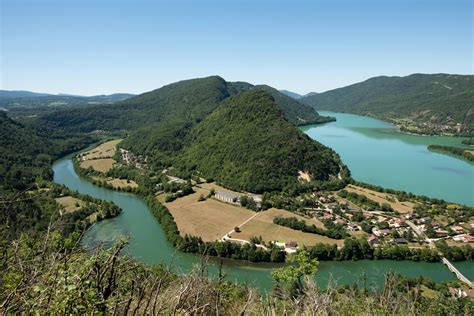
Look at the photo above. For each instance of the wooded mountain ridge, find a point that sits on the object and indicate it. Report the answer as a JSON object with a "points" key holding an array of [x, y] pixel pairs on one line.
{"points": [[422, 103]]}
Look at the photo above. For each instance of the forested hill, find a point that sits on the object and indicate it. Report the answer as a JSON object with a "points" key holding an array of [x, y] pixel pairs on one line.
{"points": [[248, 145], [188, 100], [420, 103], [27, 153], [296, 112]]}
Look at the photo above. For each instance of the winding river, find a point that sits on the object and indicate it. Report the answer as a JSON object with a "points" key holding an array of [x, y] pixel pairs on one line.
{"points": [[148, 242]]}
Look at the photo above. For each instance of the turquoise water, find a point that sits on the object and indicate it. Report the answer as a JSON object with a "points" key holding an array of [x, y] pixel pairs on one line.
{"points": [[148, 244], [377, 153]]}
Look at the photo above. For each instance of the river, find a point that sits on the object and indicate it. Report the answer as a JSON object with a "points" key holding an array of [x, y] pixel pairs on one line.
{"points": [[148, 243], [377, 153]]}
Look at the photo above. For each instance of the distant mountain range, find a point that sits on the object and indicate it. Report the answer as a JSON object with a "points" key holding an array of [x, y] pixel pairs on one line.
{"points": [[295, 95], [420, 103], [241, 135], [17, 99]]}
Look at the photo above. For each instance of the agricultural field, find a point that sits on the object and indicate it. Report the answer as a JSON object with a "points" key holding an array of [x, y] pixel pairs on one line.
{"points": [[69, 204], [262, 225], [209, 219], [122, 183], [402, 207], [104, 150], [212, 219], [100, 158], [101, 165]]}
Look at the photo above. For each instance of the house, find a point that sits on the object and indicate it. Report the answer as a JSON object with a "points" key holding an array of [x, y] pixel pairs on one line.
{"points": [[367, 214], [400, 241], [457, 229], [227, 197], [372, 240], [458, 237], [468, 238], [435, 224], [441, 232], [425, 219], [461, 292], [380, 232], [410, 215], [353, 227], [290, 246]]}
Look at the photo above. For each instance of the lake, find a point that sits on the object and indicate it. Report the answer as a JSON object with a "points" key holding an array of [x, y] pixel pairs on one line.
{"points": [[377, 153]]}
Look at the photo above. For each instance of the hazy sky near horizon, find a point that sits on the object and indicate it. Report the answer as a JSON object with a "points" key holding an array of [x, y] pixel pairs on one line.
{"points": [[103, 46]]}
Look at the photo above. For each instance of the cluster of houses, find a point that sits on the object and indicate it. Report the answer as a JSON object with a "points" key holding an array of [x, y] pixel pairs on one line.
{"points": [[129, 158], [461, 292], [456, 232]]}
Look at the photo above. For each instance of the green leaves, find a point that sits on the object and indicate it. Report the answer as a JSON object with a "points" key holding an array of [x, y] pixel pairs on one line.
{"points": [[304, 267]]}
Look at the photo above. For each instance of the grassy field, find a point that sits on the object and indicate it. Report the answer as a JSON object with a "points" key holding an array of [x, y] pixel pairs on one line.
{"points": [[102, 165], [69, 204], [262, 225], [100, 158], [122, 183], [209, 219], [212, 219], [104, 150], [402, 207]]}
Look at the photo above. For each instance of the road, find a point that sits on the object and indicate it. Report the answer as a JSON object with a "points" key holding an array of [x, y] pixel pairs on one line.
{"points": [[445, 261]]}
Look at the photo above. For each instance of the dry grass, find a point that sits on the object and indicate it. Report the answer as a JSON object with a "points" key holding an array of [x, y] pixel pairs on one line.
{"points": [[402, 207], [69, 204], [122, 183], [104, 150], [212, 219], [262, 225], [101, 165], [209, 219], [100, 158]]}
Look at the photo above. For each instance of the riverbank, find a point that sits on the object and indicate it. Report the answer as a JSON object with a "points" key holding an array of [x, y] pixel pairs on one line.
{"points": [[137, 222], [377, 154]]}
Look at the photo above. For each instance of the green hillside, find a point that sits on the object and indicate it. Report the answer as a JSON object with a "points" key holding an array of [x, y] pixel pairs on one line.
{"points": [[433, 104], [248, 145], [186, 101]]}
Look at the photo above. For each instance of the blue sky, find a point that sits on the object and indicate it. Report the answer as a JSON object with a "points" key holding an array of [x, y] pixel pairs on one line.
{"points": [[103, 46]]}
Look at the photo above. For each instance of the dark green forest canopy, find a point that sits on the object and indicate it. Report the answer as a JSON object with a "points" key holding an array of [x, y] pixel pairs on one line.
{"points": [[437, 98], [27, 153], [248, 145], [185, 101], [258, 149]]}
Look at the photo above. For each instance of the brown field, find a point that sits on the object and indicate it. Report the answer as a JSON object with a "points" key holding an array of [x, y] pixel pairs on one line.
{"points": [[402, 207], [212, 219], [209, 219], [122, 183], [262, 225], [69, 204], [104, 150], [101, 165]]}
